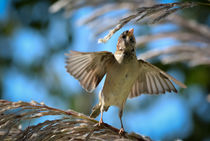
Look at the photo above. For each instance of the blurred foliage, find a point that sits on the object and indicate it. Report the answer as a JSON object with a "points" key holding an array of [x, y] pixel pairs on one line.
{"points": [[34, 15]]}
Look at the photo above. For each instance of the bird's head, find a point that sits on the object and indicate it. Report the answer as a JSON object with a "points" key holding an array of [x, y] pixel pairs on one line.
{"points": [[126, 41]]}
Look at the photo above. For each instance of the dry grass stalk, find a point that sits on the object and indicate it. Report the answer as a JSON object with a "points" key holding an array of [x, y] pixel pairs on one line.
{"points": [[70, 125], [194, 55], [194, 47], [189, 34], [161, 11]]}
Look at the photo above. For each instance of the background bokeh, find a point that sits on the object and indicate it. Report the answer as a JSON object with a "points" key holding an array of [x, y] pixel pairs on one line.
{"points": [[32, 67]]}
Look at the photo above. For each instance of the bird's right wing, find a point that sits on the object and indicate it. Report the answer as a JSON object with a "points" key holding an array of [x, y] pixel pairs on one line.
{"points": [[89, 67], [152, 80]]}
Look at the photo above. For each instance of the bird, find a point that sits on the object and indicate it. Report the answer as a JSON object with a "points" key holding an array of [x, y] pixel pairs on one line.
{"points": [[126, 76]]}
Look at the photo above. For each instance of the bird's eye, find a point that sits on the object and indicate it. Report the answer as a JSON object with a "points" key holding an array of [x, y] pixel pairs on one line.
{"points": [[123, 36], [131, 40]]}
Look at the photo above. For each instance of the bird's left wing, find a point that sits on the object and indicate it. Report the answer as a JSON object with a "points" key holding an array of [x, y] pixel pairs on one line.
{"points": [[89, 67], [152, 80]]}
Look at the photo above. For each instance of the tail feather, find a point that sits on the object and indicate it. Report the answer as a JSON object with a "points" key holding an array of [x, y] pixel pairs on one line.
{"points": [[95, 111]]}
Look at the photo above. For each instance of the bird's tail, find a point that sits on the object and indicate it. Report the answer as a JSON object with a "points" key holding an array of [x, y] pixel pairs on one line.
{"points": [[96, 110]]}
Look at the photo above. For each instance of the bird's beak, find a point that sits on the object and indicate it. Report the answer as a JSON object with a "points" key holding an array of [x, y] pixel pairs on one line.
{"points": [[130, 32]]}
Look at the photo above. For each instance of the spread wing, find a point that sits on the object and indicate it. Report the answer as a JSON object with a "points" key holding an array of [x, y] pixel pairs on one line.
{"points": [[152, 80], [89, 67]]}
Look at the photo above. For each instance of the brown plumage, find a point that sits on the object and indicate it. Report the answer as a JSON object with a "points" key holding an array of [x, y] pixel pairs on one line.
{"points": [[125, 75]]}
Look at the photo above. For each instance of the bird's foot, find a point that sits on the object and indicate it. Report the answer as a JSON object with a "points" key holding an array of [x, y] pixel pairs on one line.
{"points": [[100, 122], [122, 131]]}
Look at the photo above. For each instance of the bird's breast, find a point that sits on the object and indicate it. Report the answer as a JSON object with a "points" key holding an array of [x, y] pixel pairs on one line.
{"points": [[118, 83]]}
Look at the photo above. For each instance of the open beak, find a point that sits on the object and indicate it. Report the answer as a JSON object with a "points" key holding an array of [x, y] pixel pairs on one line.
{"points": [[130, 32]]}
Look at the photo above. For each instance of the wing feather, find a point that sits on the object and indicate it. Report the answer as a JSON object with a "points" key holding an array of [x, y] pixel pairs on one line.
{"points": [[154, 88], [89, 67], [152, 80], [148, 84], [158, 84]]}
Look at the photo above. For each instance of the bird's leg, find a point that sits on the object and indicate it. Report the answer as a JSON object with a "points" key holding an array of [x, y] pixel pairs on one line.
{"points": [[122, 128], [101, 119]]}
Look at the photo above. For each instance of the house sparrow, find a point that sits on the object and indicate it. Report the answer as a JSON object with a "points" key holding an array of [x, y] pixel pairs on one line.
{"points": [[126, 76]]}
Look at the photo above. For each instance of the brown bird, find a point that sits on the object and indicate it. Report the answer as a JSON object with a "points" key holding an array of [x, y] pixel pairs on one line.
{"points": [[126, 76]]}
